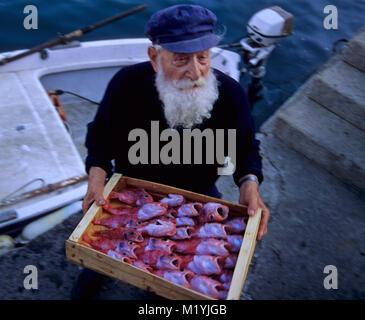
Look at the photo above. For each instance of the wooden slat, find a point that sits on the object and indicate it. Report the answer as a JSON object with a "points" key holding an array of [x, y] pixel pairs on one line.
{"points": [[244, 256], [109, 266], [94, 209]]}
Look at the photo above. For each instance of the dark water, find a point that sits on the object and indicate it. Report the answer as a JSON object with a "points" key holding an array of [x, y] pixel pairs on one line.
{"points": [[290, 64]]}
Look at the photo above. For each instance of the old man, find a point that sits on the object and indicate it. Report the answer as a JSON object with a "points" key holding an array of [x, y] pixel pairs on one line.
{"points": [[177, 89]]}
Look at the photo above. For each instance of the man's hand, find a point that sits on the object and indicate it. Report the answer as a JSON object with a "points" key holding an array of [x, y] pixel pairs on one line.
{"points": [[249, 196], [95, 189]]}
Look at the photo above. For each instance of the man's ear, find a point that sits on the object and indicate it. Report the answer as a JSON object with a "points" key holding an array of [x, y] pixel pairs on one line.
{"points": [[152, 53]]}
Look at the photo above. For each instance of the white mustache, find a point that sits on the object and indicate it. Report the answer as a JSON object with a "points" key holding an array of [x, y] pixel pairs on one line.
{"points": [[188, 83]]}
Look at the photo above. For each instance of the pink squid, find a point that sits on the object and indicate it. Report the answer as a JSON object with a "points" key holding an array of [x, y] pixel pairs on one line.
{"points": [[117, 221], [209, 246], [192, 209], [161, 260], [214, 212], [203, 264], [158, 228], [127, 248], [212, 230], [237, 225], [147, 211], [207, 286], [236, 241], [121, 233], [119, 256], [231, 261], [163, 244], [183, 233], [173, 200], [181, 278], [132, 197]]}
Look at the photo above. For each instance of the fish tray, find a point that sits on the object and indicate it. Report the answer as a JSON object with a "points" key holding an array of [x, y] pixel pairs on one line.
{"points": [[80, 253]]}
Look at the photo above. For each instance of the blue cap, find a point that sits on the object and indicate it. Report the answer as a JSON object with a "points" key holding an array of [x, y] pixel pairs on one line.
{"points": [[183, 28]]}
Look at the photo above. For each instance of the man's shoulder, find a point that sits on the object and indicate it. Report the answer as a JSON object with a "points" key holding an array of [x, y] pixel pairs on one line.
{"points": [[229, 87], [134, 72], [137, 68], [226, 82]]}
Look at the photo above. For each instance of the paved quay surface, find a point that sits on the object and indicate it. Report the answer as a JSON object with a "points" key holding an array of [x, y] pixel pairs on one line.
{"points": [[316, 220]]}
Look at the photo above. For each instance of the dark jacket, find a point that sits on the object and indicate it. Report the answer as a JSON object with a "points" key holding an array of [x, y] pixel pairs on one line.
{"points": [[131, 101]]}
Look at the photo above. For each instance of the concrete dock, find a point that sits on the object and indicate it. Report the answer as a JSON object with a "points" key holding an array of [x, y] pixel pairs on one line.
{"points": [[314, 167], [313, 152]]}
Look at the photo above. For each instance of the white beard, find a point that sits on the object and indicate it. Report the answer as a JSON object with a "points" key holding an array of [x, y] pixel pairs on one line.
{"points": [[187, 107]]}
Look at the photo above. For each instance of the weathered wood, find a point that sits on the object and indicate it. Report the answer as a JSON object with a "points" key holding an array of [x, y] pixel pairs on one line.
{"points": [[80, 252], [244, 256]]}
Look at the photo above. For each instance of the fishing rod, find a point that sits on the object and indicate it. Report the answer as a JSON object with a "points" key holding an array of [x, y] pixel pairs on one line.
{"points": [[62, 39]]}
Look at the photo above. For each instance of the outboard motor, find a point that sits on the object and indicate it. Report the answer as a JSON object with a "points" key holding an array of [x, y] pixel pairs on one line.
{"points": [[265, 29]]}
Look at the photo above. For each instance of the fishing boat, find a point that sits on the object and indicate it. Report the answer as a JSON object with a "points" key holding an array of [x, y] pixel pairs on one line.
{"points": [[43, 153]]}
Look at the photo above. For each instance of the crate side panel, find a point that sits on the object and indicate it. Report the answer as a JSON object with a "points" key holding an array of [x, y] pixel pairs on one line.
{"points": [[244, 256], [104, 264]]}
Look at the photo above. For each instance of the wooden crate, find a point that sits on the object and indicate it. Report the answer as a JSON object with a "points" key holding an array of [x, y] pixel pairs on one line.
{"points": [[78, 252]]}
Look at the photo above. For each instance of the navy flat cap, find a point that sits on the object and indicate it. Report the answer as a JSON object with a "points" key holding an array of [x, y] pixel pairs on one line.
{"points": [[183, 28]]}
